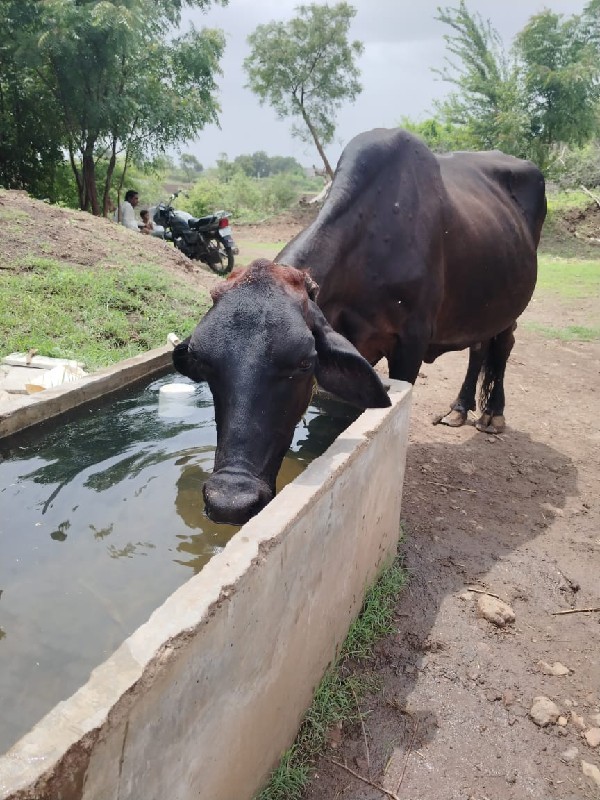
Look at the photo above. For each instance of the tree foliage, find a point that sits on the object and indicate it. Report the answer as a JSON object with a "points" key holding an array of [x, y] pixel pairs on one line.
{"points": [[305, 68], [257, 165], [190, 165], [526, 101], [487, 99], [441, 137], [560, 70], [30, 144], [115, 78]]}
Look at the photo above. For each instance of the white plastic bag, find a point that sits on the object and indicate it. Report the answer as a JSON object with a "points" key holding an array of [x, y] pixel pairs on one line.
{"points": [[55, 377]]}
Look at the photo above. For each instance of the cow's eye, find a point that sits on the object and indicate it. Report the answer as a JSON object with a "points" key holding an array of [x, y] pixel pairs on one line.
{"points": [[305, 365]]}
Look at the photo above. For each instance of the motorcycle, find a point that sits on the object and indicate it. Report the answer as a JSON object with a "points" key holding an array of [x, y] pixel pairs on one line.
{"points": [[207, 239]]}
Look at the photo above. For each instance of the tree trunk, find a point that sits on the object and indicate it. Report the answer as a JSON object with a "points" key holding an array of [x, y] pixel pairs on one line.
{"points": [[77, 175], [89, 179], [109, 174], [313, 133], [122, 181]]}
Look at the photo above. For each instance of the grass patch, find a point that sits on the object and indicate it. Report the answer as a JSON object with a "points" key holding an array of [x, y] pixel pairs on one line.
{"points": [[249, 251], [92, 315], [336, 696], [559, 202], [11, 214], [567, 277], [572, 333]]}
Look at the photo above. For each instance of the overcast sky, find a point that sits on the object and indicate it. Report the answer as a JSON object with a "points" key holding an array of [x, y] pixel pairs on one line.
{"points": [[403, 42]]}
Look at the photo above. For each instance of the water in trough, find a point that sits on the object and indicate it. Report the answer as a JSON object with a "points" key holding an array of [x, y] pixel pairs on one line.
{"points": [[101, 518]]}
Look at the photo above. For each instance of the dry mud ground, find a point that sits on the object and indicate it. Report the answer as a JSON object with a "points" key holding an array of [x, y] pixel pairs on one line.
{"points": [[516, 515]]}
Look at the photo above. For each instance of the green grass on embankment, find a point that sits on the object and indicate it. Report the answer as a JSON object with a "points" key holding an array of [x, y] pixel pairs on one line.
{"points": [[567, 288], [93, 315]]}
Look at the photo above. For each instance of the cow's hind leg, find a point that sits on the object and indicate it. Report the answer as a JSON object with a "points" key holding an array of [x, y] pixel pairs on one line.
{"points": [[465, 401], [491, 397]]}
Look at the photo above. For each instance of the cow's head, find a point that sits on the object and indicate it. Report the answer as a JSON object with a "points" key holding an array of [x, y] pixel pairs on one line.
{"points": [[260, 348]]}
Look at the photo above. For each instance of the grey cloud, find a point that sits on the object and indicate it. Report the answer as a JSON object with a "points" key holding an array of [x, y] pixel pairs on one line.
{"points": [[403, 41]]}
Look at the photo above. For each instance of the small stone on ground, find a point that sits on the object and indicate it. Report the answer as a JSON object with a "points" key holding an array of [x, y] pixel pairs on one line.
{"points": [[495, 611], [544, 712]]}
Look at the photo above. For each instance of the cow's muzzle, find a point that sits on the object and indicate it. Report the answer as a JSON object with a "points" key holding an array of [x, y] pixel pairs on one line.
{"points": [[234, 497]]}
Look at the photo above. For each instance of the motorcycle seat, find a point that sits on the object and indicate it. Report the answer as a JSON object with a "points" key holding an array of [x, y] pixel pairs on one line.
{"points": [[202, 221]]}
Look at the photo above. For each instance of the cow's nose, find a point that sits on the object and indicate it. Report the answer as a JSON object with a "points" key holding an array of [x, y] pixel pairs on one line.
{"points": [[234, 498]]}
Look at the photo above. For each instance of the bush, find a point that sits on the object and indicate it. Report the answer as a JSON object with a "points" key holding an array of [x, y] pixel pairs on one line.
{"points": [[205, 196], [578, 166], [247, 198], [244, 195], [282, 191]]}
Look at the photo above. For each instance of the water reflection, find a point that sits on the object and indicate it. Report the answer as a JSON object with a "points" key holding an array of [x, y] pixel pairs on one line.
{"points": [[98, 515]]}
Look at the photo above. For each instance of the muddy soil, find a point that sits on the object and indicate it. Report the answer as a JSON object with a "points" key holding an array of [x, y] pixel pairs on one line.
{"points": [[516, 515], [33, 229], [583, 223]]}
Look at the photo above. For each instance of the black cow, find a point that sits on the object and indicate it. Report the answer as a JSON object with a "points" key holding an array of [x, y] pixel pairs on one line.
{"points": [[413, 255]]}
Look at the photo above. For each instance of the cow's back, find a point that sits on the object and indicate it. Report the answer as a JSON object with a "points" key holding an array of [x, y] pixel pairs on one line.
{"points": [[445, 245], [375, 248]]}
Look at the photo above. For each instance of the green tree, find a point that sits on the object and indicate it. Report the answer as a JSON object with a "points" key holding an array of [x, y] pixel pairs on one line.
{"points": [[257, 165], [120, 81], [305, 68], [190, 165], [30, 144], [561, 67], [260, 165], [280, 164], [225, 168], [543, 93], [578, 165], [488, 100]]}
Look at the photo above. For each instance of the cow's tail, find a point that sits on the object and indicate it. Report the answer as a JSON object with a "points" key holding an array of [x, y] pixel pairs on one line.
{"points": [[494, 366], [488, 379]]}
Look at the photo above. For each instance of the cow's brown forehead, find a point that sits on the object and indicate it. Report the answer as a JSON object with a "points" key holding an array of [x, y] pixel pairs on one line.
{"points": [[290, 279]]}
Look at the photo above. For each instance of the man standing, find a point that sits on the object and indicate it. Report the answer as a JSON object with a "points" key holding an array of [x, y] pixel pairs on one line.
{"points": [[127, 213]]}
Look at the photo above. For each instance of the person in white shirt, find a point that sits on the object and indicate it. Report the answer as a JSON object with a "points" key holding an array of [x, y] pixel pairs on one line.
{"points": [[127, 212]]}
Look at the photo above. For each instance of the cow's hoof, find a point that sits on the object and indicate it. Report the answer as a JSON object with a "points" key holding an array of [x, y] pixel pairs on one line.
{"points": [[491, 423], [453, 418]]}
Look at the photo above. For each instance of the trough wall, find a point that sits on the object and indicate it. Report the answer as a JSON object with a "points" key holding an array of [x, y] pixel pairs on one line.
{"points": [[202, 700], [40, 407]]}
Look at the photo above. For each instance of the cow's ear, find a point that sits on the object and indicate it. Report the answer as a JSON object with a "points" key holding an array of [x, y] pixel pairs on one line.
{"points": [[185, 363], [342, 370]]}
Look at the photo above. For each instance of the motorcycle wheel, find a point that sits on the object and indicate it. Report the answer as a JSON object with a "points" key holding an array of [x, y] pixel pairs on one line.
{"points": [[222, 261]]}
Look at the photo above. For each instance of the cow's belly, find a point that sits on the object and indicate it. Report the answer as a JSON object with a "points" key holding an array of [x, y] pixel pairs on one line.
{"points": [[489, 279]]}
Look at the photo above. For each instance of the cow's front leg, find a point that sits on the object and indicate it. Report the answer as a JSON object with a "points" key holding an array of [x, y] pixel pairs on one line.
{"points": [[465, 401]]}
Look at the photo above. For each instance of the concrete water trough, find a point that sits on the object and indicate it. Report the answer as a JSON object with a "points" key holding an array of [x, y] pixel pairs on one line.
{"points": [[201, 700]]}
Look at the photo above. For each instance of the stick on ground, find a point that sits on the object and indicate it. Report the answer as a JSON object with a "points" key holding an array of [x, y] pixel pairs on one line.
{"points": [[574, 611], [364, 780]]}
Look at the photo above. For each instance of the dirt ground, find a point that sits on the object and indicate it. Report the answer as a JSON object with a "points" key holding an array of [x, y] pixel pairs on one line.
{"points": [[515, 515], [79, 239]]}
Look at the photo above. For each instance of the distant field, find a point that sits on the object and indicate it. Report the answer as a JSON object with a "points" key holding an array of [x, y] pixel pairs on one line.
{"points": [[250, 250], [569, 277], [566, 304]]}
